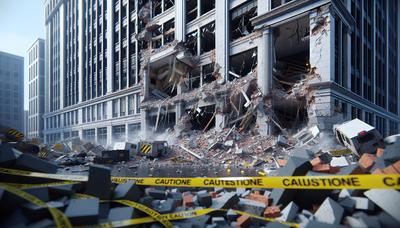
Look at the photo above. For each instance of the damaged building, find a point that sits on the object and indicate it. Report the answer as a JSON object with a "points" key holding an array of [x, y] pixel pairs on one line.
{"points": [[280, 64], [167, 65]]}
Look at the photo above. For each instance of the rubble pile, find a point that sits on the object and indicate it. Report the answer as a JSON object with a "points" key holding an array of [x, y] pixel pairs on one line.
{"points": [[99, 201]]}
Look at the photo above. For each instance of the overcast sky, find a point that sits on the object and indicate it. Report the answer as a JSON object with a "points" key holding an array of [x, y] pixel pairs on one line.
{"points": [[21, 23]]}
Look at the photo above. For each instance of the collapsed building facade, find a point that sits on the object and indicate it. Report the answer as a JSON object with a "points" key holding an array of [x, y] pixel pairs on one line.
{"points": [[202, 64], [278, 64]]}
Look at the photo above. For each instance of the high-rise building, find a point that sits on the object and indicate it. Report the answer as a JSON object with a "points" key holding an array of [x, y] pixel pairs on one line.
{"points": [[316, 62], [36, 71], [92, 83], [26, 114], [12, 91]]}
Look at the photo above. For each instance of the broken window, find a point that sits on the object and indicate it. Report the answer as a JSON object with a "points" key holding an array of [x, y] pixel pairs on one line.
{"points": [[242, 64], [202, 118], [163, 120], [207, 5], [191, 10], [191, 42], [194, 78], [208, 75], [157, 37], [168, 4], [207, 38], [240, 19], [276, 3], [169, 31], [156, 4]]}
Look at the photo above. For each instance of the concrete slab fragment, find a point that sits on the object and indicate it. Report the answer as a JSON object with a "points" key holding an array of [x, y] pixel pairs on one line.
{"points": [[329, 212], [387, 199]]}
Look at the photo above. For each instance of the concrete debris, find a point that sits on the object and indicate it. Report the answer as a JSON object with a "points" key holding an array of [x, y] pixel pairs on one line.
{"points": [[229, 151]]}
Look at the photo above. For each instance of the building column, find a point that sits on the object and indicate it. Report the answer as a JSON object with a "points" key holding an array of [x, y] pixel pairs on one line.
{"points": [[62, 54], [222, 37], [143, 122], [180, 20], [265, 61], [110, 45], [126, 133], [146, 83], [80, 50], [109, 135], [322, 44]]}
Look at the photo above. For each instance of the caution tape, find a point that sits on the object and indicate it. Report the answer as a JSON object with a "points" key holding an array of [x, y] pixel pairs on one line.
{"points": [[59, 218], [186, 215], [386, 181], [154, 214]]}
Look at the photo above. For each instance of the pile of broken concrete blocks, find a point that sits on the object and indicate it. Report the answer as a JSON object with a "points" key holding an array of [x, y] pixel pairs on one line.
{"points": [[308, 208]]}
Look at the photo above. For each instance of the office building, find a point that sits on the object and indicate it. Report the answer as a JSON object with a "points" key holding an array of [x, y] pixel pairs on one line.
{"points": [[12, 91], [315, 62], [36, 84], [92, 84]]}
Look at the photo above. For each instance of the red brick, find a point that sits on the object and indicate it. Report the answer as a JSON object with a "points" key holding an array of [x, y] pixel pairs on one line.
{"points": [[272, 212], [378, 171], [396, 165], [334, 170], [323, 168], [367, 160], [316, 161], [379, 152], [243, 221], [188, 201], [259, 198], [390, 170], [281, 162]]}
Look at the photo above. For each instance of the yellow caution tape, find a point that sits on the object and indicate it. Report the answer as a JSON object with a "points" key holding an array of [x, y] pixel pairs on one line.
{"points": [[155, 216], [386, 181], [51, 184], [187, 215], [59, 218]]}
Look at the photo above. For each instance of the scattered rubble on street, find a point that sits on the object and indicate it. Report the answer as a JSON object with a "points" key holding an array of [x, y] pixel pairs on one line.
{"points": [[242, 207]]}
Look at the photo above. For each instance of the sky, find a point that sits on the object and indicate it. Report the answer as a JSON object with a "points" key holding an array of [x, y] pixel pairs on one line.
{"points": [[21, 23]]}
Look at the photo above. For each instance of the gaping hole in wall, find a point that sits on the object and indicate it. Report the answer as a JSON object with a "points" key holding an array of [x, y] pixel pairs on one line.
{"points": [[191, 42], [242, 64], [290, 69], [162, 120], [165, 79], [168, 4], [207, 5], [169, 31], [191, 10], [207, 38], [292, 49], [240, 19], [208, 73], [156, 6], [202, 118]]}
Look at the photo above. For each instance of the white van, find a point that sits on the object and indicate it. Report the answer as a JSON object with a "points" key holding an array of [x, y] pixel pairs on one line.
{"points": [[358, 136]]}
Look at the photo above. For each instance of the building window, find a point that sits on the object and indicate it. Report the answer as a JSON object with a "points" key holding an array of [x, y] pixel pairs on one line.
{"points": [[137, 103], [133, 130], [99, 111], [102, 136], [115, 108], [122, 106], [105, 110], [207, 38], [118, 133], [89, 135], [131, 104], [240, 20]]}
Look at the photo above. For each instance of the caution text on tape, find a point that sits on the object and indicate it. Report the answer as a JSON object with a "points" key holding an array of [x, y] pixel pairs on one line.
{"points": [[386, 181]]}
